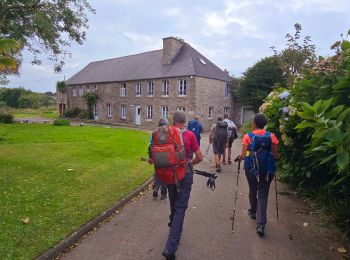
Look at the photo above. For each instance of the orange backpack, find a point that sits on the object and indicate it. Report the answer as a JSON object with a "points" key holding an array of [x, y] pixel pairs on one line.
{"points": [[168, 154]]}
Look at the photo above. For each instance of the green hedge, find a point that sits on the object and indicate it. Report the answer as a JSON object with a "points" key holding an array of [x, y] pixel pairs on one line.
{"points": [[61, 122], [312, 119], [6, 118]]}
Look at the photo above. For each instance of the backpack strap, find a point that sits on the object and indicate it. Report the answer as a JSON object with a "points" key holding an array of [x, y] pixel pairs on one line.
{"points": [[252, 141]]}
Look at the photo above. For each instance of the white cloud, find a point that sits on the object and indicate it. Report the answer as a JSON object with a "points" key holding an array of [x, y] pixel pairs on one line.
{"points": [[172, 11]]}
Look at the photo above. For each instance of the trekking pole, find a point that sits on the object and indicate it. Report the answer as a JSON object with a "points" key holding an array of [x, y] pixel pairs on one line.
{"points": [[206, 151], [276, 195], [238, 159]]}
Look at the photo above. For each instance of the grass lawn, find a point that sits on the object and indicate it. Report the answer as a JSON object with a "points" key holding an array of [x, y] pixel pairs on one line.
{"points": [[48, 113], [35, 182]]}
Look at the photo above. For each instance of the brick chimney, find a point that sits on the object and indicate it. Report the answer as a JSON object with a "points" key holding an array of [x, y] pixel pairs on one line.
{"points": [[171, 47]]}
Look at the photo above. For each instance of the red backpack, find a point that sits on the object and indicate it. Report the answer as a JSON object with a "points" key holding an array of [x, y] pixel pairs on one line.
{"points": [[168, 154]]}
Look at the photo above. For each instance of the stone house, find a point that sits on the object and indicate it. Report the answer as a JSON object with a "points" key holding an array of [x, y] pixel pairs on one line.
{"points": [[138, 90]]}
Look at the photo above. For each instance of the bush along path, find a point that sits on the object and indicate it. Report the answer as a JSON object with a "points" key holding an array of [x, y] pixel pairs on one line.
{"points": [[312, 117], [140, 230]]}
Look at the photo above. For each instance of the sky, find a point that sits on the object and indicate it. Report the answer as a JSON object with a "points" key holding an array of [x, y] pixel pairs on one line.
{"points": [[233, 34]]}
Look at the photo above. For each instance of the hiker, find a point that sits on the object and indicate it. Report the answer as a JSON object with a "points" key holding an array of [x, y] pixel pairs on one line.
{"points": [[259, 149], [218, 137], [157, 183], [196, 127], [176, 138], [232, 135]]}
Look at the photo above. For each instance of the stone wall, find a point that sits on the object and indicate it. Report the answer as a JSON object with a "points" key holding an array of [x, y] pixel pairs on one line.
{"points": [[211, 93]]}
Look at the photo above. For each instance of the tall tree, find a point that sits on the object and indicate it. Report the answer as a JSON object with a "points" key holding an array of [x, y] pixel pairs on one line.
{"points": [[45, 26], [9, 49], [258, 81], [298, 56]]}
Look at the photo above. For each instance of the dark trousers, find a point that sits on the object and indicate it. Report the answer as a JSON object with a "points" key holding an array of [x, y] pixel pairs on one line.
{"points": [[258, 195], [178, 206], [159, 184]]}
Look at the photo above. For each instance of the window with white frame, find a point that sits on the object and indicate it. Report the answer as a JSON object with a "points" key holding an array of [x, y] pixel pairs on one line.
{"points": [[227, 89], [123, 111], [81, 90], [164, 111], [226, 110], [181, 108], [149, 112], [95, 87], [74, 91], [150, 88], [123, 89], [211, 110], [165, 88], [138, 88], [182, 87], [95, 110], [87, 87], [109, 110]]}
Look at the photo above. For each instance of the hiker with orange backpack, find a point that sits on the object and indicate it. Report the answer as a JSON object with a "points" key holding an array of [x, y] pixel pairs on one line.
{"points": [[259, 150], [171, 151]]}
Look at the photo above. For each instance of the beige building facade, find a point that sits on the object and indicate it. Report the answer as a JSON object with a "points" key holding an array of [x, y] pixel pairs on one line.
{"points": [[145, 87]]}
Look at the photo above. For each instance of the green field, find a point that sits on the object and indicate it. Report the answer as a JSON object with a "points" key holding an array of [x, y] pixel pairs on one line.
{"points": [[60, 178], [49, 113]]}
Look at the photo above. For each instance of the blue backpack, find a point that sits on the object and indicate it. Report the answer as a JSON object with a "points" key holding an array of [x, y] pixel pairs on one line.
{"points": [[260, 160], [195, 127]]}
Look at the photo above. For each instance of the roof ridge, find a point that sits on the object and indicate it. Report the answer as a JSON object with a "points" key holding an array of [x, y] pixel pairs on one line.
{"points": [[127, 56]]}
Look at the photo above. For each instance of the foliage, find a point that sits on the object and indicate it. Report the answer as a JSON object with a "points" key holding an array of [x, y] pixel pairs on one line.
{"points": [[61, 178], [20, 97], [247, 127], [312, 119], [44, 26], [258, 81], [72, 112], [297, 57], [6, 118], [61, 86], [91, 99], [9, 64], [61, 122]]}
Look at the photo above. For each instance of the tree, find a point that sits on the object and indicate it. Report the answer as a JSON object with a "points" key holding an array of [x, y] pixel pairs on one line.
{"points": [[90, 99], [9, 64], [45, 26], [258, 81], [298, 57], [11, 96]]}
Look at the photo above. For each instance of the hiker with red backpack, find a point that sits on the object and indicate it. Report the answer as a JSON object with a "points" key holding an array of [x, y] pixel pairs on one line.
{"points": [[218, 137], [171, 151], [259, 150]]}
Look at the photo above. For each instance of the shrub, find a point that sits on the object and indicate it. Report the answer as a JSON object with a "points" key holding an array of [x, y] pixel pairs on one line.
{"points": [[72, 112], [6, 118], [61, 122]]}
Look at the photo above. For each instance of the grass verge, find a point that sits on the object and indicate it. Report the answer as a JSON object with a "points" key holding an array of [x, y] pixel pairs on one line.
{"points": [[55, 179]]}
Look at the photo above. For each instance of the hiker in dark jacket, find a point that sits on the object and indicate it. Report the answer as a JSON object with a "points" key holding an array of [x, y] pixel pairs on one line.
{"points": [[179, 200], [218, 137], [258, 181], [157, 182]]}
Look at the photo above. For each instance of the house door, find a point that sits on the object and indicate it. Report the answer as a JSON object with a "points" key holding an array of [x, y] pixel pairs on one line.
{"points": [[137, 115]]}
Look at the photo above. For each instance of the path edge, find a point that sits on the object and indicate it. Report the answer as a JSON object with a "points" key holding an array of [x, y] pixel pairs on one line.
{"points": [[67, 242]]}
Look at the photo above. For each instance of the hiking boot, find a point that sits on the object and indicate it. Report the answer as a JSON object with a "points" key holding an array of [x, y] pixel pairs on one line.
{"points": [[167, 255], [229, 160], [260, 230], [251, 214], [162, 196], [218, 168], [155, 194]]}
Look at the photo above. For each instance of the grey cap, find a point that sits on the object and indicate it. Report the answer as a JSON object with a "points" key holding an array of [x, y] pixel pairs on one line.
{"points": [[179, 116], [163, 121]]}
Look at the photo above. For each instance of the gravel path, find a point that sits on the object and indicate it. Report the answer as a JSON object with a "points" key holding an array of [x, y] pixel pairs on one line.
{"points": [[140, 230]]}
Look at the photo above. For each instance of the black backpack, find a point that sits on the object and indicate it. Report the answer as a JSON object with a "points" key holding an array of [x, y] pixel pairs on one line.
{"points": [[221, 132]]}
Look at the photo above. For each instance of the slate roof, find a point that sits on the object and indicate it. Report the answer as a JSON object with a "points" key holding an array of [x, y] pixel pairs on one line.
{"points": [[149, 65]]}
